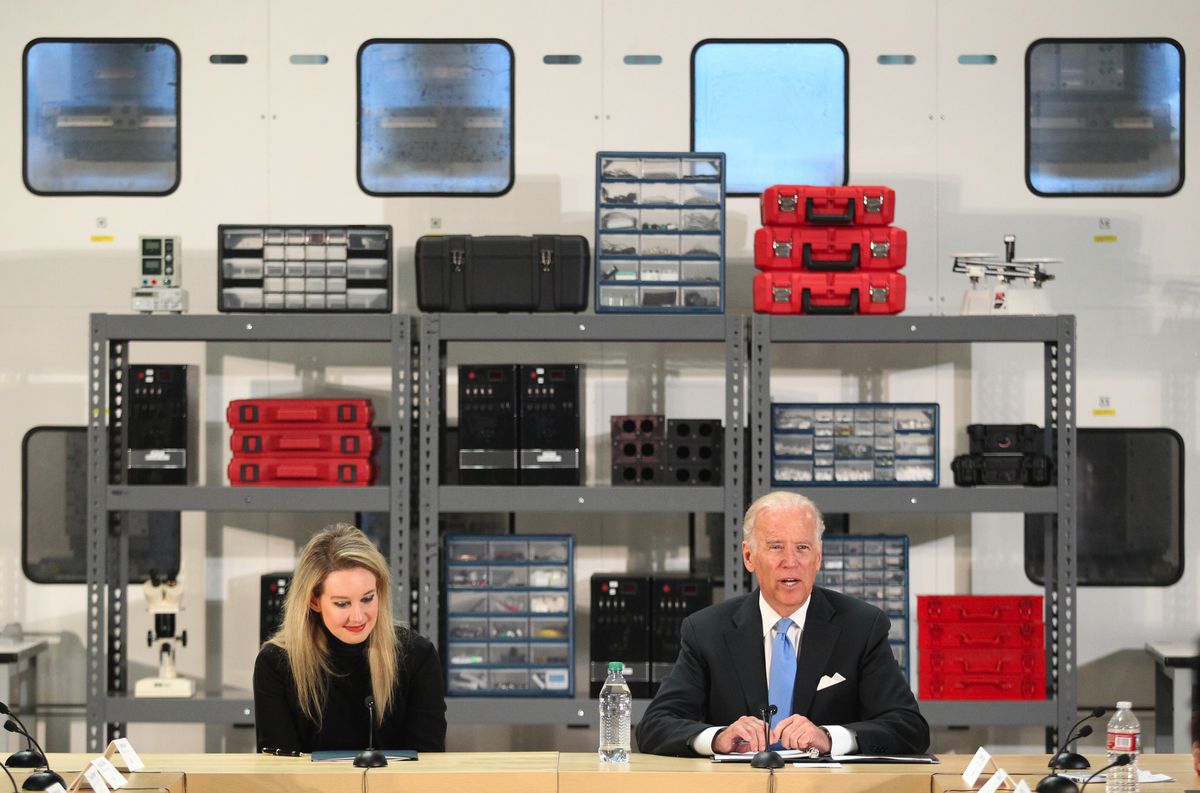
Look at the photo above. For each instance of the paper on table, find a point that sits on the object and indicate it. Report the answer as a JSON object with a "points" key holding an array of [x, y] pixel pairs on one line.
{"points": [[884, 758], [1143, 776], [745, 757]]}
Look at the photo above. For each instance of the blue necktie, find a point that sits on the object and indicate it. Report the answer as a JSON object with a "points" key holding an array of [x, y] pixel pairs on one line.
{"points": [[783, 672]]}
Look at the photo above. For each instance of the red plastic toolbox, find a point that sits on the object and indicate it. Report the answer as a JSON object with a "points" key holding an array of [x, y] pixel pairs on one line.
{"points": [[935, 686], [304, 443], [979, 635], [979, 608], [816, 205], [799, 292], [315, 413], [1030, 663], [832, 248], [300, 471]]}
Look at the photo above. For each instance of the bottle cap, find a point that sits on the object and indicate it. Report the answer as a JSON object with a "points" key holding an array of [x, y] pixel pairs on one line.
{"points": [[616, 666], [1123, 705]]}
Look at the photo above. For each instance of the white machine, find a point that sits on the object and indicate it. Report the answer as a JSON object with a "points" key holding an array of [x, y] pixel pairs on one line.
{"points": [[160, 288], [1017, 285], [162, 600]]}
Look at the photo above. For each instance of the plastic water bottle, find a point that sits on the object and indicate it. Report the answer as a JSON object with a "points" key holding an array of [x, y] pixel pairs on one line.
{"points": [[1124, 737], [616, 705]]}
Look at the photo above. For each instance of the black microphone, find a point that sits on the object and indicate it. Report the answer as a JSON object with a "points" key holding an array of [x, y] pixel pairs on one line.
{"points": [[767, 758], [39, 780], [1061, 784], [1122, 759], [370, 757], [1064, 759], [27, 757]]}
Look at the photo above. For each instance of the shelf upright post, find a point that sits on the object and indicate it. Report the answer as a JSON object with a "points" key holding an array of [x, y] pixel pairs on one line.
{"points": [[1059, 379], [400, 504], [107, 573], [735, 451], [428, 464]]}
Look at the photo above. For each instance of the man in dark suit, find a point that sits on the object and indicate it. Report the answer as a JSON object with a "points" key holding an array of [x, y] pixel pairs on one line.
{"points": [[820, 657]]}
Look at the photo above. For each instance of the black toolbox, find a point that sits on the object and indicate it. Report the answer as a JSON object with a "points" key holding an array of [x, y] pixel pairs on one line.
{"points": [[460, 273]]}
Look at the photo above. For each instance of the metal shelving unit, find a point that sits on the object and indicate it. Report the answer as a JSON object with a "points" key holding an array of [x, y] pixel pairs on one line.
{"points": [[1057, 336], [109, 705], [439, 329]]}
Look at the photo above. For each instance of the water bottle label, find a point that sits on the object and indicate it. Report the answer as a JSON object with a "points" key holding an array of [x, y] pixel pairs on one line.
{"points": [[1123, 742]]}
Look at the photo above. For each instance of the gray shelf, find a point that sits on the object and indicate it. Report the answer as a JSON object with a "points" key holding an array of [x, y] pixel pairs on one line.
{"points": [[183, 498], [439, 330], [578, 327], [108, 704], [252, 328], [577, 712], [1056, 336], [969, 713], [940, 330], [581, 499], [932, 499], [205, 708]]}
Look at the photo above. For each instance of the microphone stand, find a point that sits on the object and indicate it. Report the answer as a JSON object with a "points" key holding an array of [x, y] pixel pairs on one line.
{"points": [[1053, 783], [1073, 760], [39, 780], [767, 758], [1122, 759], [370, 757], [23, 758], [1062, 784]]}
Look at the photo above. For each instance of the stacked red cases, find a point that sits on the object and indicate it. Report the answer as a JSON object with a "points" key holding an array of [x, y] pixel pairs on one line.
{"points": [[302, 442], [819, 205], [801, 292], [829, 250], [981, 647]]}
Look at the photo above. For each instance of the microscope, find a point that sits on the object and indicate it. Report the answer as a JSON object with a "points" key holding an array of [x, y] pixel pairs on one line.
{"points": [[162, 600]]}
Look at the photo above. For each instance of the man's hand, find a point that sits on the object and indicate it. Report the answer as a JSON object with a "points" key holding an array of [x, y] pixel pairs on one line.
{"points": [[797, 732], [1196, 757], [744, 735]]}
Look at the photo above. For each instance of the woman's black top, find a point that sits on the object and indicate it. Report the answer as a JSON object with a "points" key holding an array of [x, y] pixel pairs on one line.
{"points": [[415, 720]]}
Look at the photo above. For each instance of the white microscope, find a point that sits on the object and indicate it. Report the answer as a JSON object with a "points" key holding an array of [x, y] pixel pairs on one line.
{"points": [[162, 600]]}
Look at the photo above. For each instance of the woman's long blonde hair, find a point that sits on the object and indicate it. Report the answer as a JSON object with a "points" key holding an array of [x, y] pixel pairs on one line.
{"points": [[339, 546]]}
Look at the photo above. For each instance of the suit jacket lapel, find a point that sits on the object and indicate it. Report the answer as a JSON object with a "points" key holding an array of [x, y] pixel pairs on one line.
{"points": [[744, 639], [816, 645]]}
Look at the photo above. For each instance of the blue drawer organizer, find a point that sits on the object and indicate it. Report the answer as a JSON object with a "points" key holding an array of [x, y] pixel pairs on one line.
{"points": [[660, 232], [873, 568], [507, 628], [854, 444]]}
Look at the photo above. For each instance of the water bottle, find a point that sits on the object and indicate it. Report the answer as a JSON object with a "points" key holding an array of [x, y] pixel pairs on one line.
{"points": [[616, 705], [1124, 737]]}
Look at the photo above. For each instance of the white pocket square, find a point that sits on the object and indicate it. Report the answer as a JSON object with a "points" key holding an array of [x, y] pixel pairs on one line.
{"points": [[827, 681]]}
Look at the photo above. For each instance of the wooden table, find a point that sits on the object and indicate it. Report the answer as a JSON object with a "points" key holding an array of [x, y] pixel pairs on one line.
{"points": [[552, 772], [1024, 767]]}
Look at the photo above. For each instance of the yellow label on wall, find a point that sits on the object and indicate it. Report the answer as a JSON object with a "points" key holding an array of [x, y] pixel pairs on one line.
{"points": [[1103, 412], [1104, 238], [103, 238]]}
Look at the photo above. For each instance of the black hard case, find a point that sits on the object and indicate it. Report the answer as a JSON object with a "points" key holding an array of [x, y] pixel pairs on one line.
{"points": [[540, 273]]}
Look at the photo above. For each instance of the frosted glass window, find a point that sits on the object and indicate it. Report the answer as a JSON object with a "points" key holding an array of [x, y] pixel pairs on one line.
{"points": [[435, 117], [1104, 117], [778, 109], [101, 116]]}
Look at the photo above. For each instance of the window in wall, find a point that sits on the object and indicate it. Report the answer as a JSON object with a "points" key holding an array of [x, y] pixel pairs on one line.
{"points": [[777, 108], [1104, 117], [101, 117], [1129, 521], [435, 117]]}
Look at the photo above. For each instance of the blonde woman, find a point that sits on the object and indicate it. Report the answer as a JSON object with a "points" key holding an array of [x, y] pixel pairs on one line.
{"points": [[338, 646]]}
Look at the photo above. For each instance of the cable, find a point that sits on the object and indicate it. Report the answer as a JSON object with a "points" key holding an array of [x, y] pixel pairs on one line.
{"points": [[364, 786], [10, 777]]}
